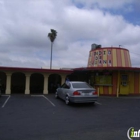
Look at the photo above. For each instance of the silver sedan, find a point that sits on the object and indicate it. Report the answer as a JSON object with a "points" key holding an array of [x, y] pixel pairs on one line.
{"points": [[76, 92]]}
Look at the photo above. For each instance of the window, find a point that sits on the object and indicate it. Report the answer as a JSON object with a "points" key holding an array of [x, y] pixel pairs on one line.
{"points": [[124, 80], [104, 78], [124, 77], [65, 86], [81, 85]]}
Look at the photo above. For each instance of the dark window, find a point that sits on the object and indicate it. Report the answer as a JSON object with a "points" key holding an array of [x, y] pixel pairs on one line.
{"points": [[124, 77]]}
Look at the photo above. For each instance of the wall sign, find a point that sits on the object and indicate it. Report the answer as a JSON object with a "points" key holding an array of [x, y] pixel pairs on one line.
{"points": [[101, 57]]}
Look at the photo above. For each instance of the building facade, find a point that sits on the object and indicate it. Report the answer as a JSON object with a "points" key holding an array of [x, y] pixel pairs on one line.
{"points": [[30, 80], [109, 70], [109, 57]]}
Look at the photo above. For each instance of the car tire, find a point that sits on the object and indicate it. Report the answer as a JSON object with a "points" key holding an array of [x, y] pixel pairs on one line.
{"points": [[67, 100], [56, 95]]}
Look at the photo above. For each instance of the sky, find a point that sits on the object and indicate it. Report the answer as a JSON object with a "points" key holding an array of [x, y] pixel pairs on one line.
{"points": [[25, 24]]}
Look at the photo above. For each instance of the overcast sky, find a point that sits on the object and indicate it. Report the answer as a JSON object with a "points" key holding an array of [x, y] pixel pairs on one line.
{"points": [[25, 24]]}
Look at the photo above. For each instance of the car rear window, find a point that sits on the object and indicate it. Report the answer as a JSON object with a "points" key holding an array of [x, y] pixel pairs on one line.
{"points": [[81, 85]]}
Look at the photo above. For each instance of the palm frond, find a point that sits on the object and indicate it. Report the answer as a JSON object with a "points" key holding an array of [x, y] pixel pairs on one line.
{"points": [[52, 35]]}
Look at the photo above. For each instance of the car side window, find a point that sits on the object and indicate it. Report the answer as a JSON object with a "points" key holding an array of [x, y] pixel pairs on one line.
{"points": [[65, 86]]}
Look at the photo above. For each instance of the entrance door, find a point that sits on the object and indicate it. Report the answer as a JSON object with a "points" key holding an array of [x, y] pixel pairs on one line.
{"points": [[124, 85]]}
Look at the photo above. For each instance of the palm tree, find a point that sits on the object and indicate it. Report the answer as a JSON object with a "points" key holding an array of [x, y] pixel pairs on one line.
{"points": [[52, 37]]}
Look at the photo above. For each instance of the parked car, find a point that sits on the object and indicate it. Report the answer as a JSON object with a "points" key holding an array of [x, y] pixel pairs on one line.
{"points": [[76, 92]]}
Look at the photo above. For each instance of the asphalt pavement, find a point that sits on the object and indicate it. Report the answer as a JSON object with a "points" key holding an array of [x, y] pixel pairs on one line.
{"points": [[39, 117]]}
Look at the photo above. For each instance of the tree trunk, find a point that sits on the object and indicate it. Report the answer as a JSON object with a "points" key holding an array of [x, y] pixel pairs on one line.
{"points": [[51, 55]]}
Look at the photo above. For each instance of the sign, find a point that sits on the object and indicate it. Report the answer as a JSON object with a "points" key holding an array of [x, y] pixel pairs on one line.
{"points": [[132, 134], [101, 57]]}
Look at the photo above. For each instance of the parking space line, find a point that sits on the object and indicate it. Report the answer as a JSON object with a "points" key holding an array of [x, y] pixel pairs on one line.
{"points": [[5, 95], [98, 103], [45, 98], [6, 101], [48, 100], [36, 95]]}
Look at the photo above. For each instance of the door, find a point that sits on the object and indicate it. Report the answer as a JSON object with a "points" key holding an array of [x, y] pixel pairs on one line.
{"points": [[124, 85], [63, 91]]}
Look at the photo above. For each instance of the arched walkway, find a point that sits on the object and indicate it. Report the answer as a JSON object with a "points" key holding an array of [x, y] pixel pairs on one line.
{"points": [[36, 83], [2, 82], [54, 81], [18, 83]]}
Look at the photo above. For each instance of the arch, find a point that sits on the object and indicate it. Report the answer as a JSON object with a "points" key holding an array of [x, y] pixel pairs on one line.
{"points": [[18, 83], [2, 81], [36, 83], [54, 81]]}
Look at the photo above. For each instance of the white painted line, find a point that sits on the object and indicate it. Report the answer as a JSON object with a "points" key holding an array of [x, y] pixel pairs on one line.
{"points": [[98, 103], [43, 97], [36, 95], [48, 100], [4, 95], [6, 101]]}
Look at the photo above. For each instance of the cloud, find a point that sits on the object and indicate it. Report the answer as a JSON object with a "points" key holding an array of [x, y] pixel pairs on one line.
{"points": [[24, 27]]}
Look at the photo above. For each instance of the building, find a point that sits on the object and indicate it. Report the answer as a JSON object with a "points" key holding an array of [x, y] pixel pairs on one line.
{"points": [[109, 70], [31, 80]]}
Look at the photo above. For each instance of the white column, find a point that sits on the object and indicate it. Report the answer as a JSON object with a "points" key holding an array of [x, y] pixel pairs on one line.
{"points": [[8, 83], [63, 79], [27, 84], [45, 90]]}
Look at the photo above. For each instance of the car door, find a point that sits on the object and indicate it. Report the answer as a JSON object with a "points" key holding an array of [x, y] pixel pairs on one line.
{"points": [[61, 90], [64, 90]]}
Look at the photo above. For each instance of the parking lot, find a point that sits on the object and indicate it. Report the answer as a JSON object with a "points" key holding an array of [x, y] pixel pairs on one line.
{"points": [[39, 117]]}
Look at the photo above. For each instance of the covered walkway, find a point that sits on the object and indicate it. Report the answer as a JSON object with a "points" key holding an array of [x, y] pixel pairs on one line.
{"points": [[30, 80]]}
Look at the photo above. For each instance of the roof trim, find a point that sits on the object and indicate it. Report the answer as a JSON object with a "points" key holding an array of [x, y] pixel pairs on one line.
{"points": [[21, 69], [109, 48], [109, 68]]}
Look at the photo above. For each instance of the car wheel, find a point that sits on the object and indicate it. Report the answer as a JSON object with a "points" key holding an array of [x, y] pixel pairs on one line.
{"points": [[67, 101], [56, 95]]}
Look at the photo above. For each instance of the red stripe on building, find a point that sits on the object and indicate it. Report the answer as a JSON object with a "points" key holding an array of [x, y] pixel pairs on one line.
{"points": [[106, 90], [115, 82], [136, 83], [126, 59], [112, 58], [119, 58]]}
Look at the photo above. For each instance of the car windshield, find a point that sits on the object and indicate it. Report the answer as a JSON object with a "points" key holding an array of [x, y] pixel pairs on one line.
{"points": [[81, 85]]}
